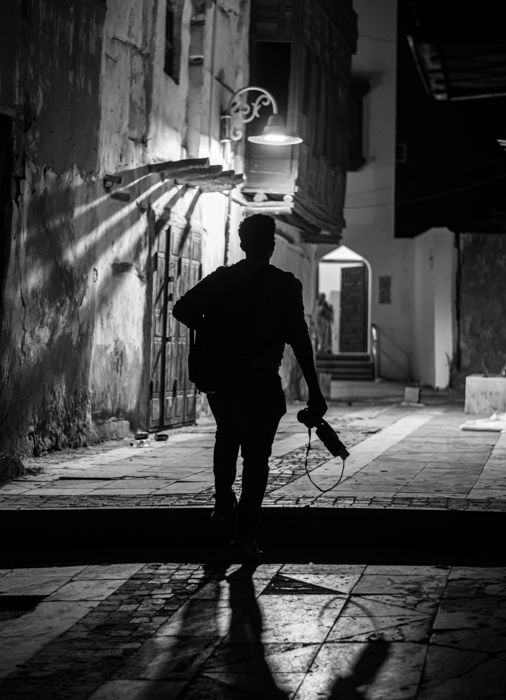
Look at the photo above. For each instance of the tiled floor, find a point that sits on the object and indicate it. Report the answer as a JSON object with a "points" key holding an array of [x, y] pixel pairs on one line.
{"points": [[280, 631], [398, 452], [304, 631]]}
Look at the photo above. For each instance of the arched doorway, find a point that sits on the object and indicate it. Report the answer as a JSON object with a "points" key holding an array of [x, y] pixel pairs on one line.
{"points": [[344, 279]]}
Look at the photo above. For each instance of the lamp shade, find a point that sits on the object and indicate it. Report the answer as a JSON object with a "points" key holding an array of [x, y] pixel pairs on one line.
{"points": [[275, 134]]}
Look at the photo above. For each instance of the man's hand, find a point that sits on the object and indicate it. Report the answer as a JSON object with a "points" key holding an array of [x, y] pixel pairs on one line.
{"points": [[317, 404]]}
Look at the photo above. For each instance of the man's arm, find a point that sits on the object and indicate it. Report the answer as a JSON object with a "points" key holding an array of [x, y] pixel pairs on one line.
{"points": [[298, 338], [189, 309]]}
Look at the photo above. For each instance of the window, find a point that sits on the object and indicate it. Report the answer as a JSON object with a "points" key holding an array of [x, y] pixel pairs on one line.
{"points": [[171, 62], [358, 89], [271, 70]]}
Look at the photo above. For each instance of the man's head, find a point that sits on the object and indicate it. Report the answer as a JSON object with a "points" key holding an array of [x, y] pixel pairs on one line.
{"points": [[256, 234]]}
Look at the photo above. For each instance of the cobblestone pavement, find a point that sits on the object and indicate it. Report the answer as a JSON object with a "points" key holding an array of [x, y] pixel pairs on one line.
{"points": [[401, 457], [221, 630]]}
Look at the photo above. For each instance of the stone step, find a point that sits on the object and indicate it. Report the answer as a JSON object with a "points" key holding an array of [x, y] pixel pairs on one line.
{"points": [[384, 535], [348, 368], [333, 364], [352, 376], [351, 357]]}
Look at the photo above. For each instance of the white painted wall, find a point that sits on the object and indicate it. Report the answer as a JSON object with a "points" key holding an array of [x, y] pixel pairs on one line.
{"points": [[416, 329], [444, 285], [433, 318], [369, 208], [299, 259]]}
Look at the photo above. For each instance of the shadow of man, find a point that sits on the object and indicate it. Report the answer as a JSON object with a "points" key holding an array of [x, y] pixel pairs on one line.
{"points": [[364, 671], [246, 652], [178, 653], [218, 661]]}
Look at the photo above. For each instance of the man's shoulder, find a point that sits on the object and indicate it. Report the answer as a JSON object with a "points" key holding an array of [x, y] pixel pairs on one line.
{"points": [[288, 279], [271, 276], [217, 275]]}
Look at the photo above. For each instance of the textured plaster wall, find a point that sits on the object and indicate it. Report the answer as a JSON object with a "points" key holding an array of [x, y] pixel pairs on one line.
{"points": [[145, 118], [130, 137], [47, 327], [482, 304], [76, 334], [224, 42]]}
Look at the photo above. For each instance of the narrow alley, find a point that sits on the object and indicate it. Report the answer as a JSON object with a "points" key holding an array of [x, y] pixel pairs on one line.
{"points": [[239, 240]]}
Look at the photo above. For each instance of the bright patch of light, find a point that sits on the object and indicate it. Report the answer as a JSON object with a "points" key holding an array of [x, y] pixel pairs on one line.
{"points": [[276, 138]]}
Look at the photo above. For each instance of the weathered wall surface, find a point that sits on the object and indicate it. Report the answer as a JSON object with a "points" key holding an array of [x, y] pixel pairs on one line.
{"points": [[482, 304], [93, 99], [301, 260], [149, 116], [46, 330], [120, 299], [90, 84]]}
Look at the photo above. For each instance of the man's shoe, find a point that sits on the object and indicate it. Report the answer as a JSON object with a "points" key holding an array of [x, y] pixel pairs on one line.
{"points": [[247, 549], [224, 512]]}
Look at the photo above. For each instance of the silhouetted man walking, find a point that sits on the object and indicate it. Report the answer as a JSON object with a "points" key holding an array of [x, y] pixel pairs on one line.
{"points": [[243, 315]]}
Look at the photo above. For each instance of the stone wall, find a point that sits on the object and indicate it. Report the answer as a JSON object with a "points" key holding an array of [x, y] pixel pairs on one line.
{"points": [[481, 304], [46, 331], [91, 98]]}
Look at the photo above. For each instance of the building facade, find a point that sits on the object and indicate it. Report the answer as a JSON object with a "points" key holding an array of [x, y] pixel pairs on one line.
{"points": [[423, 215], [119, 191]]}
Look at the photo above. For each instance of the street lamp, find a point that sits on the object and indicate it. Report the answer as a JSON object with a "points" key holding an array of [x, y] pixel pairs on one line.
{"points": [[245, 111]]}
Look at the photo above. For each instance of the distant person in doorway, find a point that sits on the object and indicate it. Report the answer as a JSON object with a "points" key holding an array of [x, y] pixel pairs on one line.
{"points": [[325, 321], [243, 315]]}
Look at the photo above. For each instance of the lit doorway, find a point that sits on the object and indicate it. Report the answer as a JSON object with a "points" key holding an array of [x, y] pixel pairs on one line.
{"points": [[344, 280]]}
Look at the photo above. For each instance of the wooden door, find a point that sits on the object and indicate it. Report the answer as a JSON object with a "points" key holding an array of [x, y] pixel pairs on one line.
{"points": [[353, 319], [176, 268]]}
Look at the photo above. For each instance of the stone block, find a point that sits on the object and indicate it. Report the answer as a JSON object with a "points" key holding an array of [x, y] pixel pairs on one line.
{"points": [[485, 394], [412, 394]]}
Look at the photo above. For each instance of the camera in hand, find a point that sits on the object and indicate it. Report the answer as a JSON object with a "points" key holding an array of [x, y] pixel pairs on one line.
{"points": [[324, 431]]}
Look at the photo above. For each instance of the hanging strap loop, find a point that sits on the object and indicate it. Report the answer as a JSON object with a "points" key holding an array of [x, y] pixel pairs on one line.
{"points": [[308, 473]]}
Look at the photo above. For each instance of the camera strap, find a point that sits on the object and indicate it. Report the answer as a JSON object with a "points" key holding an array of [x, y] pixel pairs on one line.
{"points": [[309, 474]]}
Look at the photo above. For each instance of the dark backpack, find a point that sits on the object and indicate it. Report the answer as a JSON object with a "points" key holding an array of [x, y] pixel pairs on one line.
{"points": [[222, 348]]}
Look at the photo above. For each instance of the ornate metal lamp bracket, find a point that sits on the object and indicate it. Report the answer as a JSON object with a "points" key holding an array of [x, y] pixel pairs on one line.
{"points": [[245, 110]]}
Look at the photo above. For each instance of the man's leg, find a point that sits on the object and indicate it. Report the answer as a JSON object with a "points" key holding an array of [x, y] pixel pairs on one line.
{"points": [[256, 448], [226, 449]]}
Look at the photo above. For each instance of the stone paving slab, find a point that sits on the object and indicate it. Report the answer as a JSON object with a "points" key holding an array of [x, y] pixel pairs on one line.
{"points": [[401, 457], [226, 630]]}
